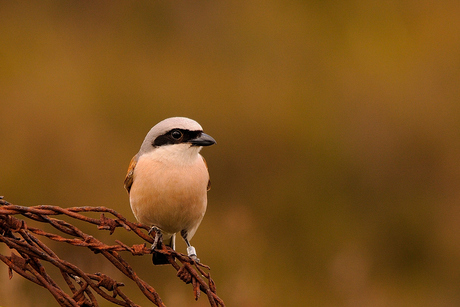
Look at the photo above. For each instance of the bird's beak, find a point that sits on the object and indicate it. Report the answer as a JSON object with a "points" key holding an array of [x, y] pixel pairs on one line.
{"points": [[203, 140]]}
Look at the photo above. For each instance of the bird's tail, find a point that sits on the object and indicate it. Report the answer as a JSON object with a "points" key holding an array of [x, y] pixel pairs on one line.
{"points": [[158, 258]]}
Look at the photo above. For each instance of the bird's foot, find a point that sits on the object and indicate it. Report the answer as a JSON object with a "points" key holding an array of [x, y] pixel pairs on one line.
{"points": [[158, 240]]}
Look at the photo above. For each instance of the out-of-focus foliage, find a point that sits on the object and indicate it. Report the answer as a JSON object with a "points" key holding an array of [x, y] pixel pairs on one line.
{"points": [[336, 174]]}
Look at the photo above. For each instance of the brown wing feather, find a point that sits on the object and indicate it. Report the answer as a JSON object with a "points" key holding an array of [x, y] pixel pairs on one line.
{"points": [[129, 176], [209, 181]]}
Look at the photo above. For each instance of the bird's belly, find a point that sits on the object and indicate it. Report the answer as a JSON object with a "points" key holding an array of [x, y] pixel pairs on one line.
{"points": [[172, 198]]}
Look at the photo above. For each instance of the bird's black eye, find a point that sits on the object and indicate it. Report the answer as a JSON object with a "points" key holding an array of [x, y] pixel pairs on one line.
{"points": [[176, 134]]}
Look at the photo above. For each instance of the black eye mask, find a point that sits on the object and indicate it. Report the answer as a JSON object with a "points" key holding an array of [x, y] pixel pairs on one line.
{"points": [[176, 136]]}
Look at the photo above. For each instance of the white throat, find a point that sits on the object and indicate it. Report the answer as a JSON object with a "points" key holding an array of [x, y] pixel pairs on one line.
{"points": [[182, 154]]}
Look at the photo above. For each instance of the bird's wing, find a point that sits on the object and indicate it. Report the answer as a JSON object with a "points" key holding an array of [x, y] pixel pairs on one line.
{"points": [[209, 181], [129, 176]]}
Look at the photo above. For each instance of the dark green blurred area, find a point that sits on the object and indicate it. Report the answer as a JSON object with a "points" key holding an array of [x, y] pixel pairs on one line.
{"points": [[336, 174]]}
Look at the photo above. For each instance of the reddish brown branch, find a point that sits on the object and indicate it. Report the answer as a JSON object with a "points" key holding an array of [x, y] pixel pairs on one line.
{"points": [[30, 251]]}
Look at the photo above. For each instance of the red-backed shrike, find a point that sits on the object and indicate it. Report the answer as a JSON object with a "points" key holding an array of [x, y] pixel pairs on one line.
{"points": [[168, 180]]}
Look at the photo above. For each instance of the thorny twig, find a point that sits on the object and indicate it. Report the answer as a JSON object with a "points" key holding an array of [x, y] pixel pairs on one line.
{"points": [[30, 251]]}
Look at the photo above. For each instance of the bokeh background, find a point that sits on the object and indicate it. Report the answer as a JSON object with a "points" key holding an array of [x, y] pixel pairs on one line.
{"points": [[336, 174]]}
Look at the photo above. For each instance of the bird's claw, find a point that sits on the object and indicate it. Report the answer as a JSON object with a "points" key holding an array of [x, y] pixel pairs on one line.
{"points": [[195, 258], [158, 239]]}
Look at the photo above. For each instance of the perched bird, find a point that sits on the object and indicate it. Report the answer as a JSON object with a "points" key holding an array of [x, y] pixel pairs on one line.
{"points": [[168, 180]]}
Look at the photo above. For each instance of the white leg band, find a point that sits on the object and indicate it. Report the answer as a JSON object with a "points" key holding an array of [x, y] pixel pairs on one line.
{"points": [[191, 251]]}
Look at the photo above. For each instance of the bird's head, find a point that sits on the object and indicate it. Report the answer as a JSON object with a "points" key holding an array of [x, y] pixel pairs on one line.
{"points": [[176, 136]]}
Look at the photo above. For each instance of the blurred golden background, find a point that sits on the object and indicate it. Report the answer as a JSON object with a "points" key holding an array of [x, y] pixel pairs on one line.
{"points": [[336, 174]]}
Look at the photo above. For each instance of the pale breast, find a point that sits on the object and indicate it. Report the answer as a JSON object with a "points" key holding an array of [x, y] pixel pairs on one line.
{"points": [[169, 195]]}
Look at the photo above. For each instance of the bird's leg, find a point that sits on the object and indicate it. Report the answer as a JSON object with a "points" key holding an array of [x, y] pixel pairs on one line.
{"points": [[191, 252], [158, 240]]}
